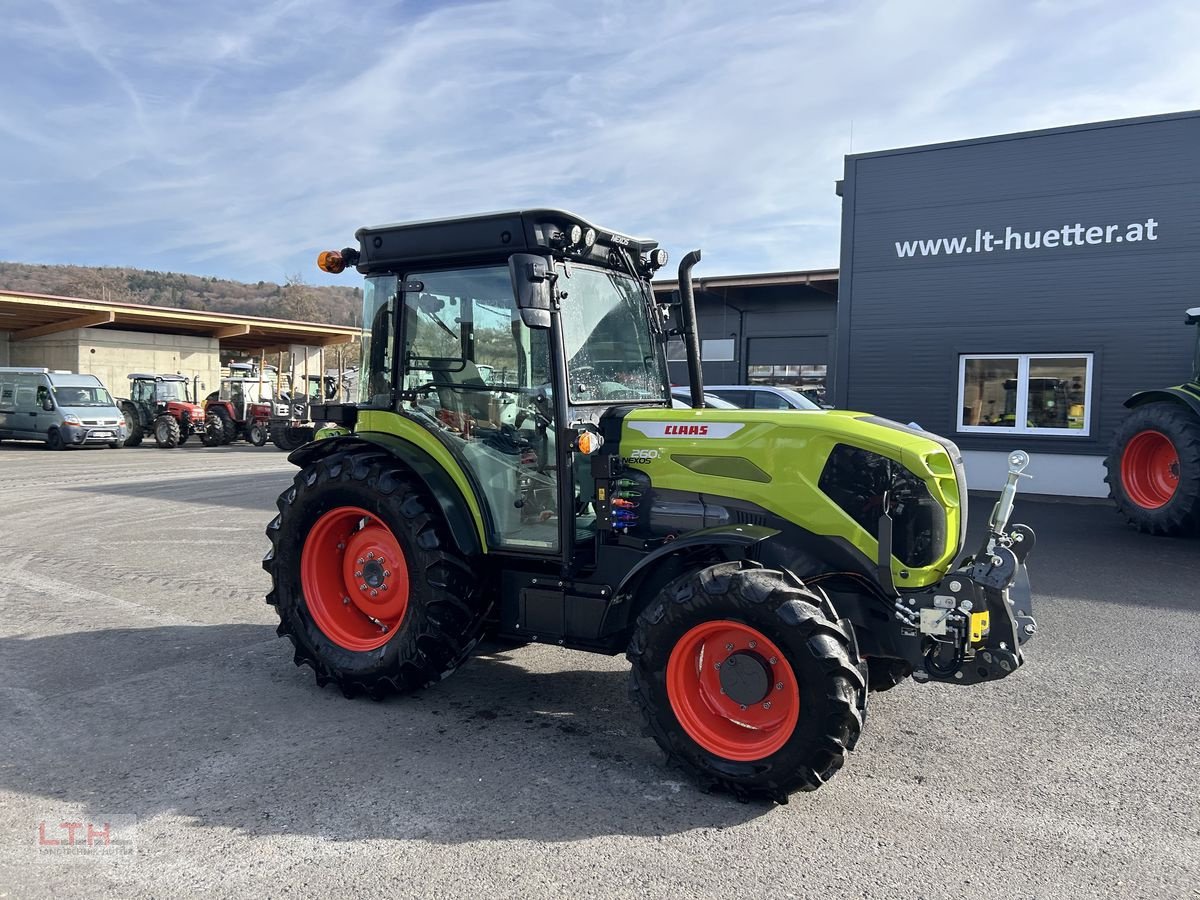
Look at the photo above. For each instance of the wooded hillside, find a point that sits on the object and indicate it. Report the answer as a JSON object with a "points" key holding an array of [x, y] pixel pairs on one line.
{"points": [[291, 300]]}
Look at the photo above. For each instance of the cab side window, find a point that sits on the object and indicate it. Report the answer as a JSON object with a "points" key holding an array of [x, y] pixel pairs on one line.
{"points": [[481, 378]]}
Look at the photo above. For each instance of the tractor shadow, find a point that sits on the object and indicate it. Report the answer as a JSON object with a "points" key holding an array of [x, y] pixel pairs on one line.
{"points": [[256, 491], [215, 725]]}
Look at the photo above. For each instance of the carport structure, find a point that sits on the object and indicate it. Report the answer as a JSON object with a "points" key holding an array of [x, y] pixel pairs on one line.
{"points": [[28, 316], [110, 340]]}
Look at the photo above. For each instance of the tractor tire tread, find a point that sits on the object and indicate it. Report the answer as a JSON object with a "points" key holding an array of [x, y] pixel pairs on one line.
{"points": [[438, 632], [814, 753], [1180, 516]]}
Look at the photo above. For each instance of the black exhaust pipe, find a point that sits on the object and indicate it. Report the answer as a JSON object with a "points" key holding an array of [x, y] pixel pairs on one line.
{"points": [[691, 340]]}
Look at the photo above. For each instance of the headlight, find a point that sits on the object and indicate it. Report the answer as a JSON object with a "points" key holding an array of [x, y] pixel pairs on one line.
{"points": [[71, 420]]}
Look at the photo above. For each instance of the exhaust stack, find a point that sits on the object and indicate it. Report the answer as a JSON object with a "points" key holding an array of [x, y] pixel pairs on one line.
{"points": [[691, 340]]}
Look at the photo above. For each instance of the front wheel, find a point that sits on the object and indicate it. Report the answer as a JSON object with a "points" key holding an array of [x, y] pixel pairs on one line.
{"points": [[1154, 469], [54, 440], [132, 427], [366, 582], [166, 431], [258, 435], [744, 681]]}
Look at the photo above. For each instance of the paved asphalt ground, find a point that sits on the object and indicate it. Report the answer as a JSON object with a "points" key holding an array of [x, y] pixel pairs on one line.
{"points": [[140, 676]]}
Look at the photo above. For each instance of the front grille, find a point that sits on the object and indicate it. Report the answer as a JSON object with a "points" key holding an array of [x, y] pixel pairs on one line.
{"points": [[860, 482]]}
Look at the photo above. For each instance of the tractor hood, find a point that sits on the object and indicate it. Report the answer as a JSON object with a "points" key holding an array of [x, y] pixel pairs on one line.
{"points": [[793, 463]]}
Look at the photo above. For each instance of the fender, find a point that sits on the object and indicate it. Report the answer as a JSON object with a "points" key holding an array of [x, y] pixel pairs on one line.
{"points": [[1188, 395], [435, 479]]}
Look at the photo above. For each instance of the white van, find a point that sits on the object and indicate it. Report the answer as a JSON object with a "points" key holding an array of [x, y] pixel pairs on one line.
{"points": [[61, 408]]}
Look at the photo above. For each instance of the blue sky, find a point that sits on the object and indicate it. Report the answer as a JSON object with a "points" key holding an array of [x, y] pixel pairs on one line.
{"points": [[238, 139]]}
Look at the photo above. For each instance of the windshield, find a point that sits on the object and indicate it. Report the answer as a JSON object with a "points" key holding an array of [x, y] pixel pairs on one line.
{"points": [[71, 395], [170, 390], [611, 353]]}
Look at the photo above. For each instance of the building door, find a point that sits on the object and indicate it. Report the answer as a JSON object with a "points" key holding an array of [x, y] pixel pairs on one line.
{"points": [[799, 362]]}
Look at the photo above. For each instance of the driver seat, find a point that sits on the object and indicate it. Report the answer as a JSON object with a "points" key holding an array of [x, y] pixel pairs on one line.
{"points": [[474, 401]]}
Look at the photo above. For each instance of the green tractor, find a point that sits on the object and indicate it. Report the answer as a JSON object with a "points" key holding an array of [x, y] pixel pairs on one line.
{"points": [[1154, 466], [514, 468]]}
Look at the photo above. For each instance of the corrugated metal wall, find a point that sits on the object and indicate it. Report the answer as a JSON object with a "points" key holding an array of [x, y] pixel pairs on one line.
{"points": [[903, 321]]}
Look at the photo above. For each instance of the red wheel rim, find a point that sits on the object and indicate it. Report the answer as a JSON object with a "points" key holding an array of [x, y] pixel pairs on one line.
{"points": [[1150, 469], [736, 723], [355, 578]]}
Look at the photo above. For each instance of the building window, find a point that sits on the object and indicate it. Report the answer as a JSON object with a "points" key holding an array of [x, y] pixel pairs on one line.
{"points": [[719, 350], [1027, 393]]}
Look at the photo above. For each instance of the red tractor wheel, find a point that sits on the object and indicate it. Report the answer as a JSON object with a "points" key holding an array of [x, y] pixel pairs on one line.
{"points": [[367, 582], [355, 578], [1154, 469], [745, 682], [732, 690]]}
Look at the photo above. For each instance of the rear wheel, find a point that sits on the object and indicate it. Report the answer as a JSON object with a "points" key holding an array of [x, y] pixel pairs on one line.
{"points": [[214, 431], [744, 681], [365, 580], [166, 431], [290, 437], [229, 429], [1154, 469], [133, 429]]}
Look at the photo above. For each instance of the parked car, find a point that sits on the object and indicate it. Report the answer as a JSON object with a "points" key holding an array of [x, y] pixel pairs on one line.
{"points": [[61, 408], [681, 398], [761, 396]]}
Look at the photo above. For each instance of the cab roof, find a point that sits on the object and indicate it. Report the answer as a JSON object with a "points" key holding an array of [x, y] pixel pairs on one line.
{"points": [[485, 236], [143, 376]]}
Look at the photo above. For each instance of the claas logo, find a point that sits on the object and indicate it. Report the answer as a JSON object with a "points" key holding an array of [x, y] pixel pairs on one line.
{"points": [[700, 430]]}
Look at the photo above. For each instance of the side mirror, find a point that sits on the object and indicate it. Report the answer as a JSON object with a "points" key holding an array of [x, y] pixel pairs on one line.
{"points": [[531, 281], [48, 405]]}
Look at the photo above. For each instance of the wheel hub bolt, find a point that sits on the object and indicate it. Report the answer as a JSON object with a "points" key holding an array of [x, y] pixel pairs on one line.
{"points": [[779, 685], [753, 644], [767, 705], [345, 600], [773, 660], [729, 646], [361, 560], [374, 593], [341, 546], [362, 587], [371, 554], [743, 707], [358, 574], [387, 573], [716, 665]]}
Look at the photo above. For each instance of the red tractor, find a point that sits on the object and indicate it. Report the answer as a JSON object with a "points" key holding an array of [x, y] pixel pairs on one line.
{"points": [[162, 405], [244, 405]]}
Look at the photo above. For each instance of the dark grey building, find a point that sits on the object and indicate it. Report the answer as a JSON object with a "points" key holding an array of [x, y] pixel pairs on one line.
{"points": [[1013, 291], [776, 328]]}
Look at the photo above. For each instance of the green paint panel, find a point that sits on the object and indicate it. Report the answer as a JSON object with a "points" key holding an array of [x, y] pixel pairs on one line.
{"points": [[792, 446], [387, 422], [722, 467]]}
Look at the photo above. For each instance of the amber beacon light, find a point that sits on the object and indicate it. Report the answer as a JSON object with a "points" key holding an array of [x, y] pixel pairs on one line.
{"points": [[331, 261]]}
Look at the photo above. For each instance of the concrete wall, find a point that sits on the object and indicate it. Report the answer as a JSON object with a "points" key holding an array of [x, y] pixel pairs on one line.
{"points": [[4, 348], [112, 355]]}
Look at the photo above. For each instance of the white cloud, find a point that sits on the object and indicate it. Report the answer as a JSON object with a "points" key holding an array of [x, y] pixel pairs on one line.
{"points": [[237, 140]]}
